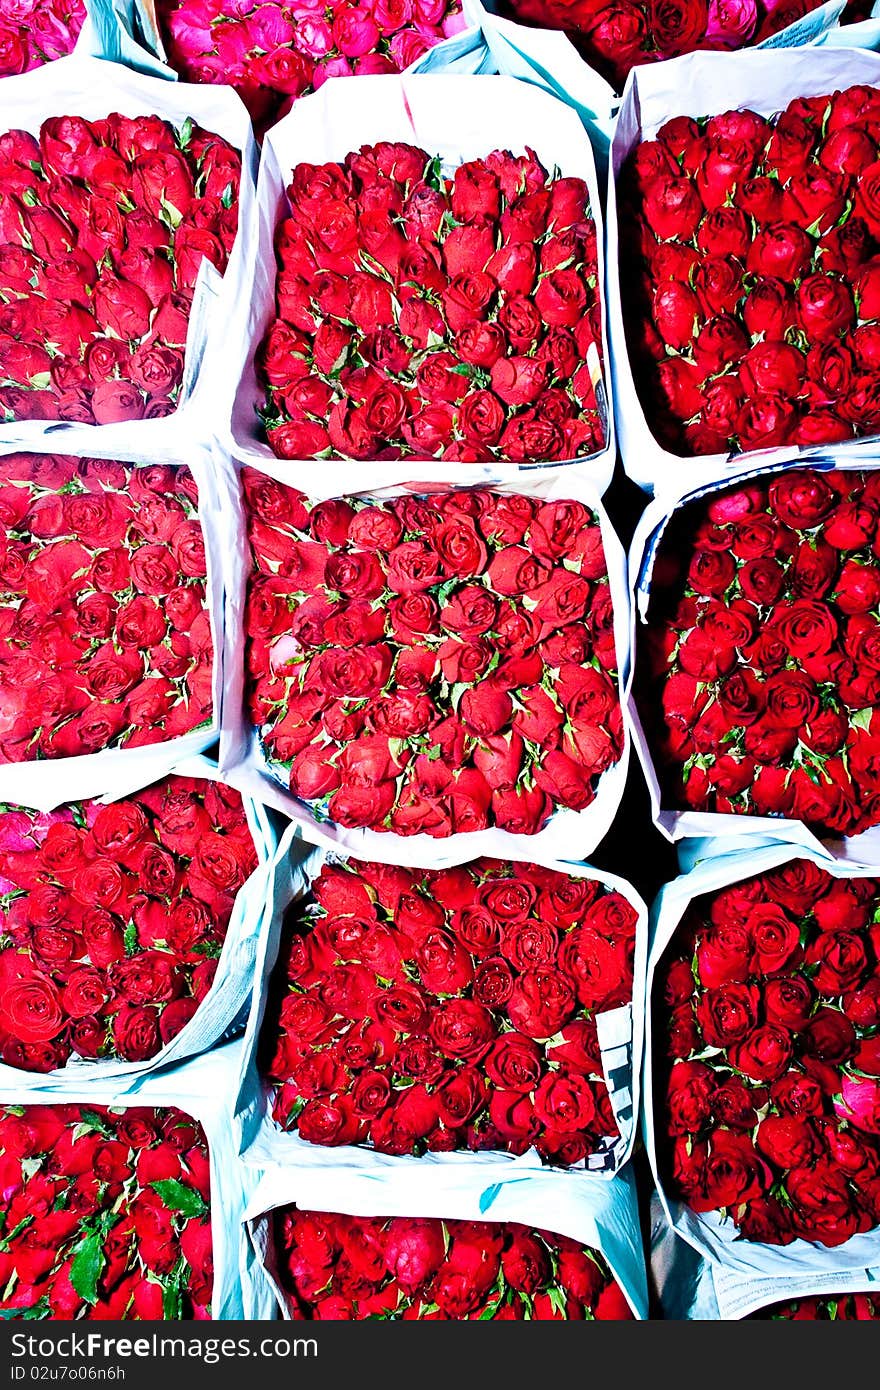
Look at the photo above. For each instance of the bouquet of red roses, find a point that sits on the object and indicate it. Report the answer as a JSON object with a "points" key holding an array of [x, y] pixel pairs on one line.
{"points": [[272, 53], [104, 225], [105, 631], [106, 1214], [36, 31], [839, 1307], [437, 1010], [332, 1267], [767, 1013], [617, 35], [113, 919], [433, 315], [751, 285], [758, 683], [432, 665]]}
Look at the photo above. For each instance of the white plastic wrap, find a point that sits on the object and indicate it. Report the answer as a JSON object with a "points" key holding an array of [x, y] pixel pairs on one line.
{"points": [[458, 118], [711, 1237], [202, 1089], [603, 1215], [705, 84], [87, 87], [230, 992], [570, 835], [46, 783], [263, 1142], [683, 824]]}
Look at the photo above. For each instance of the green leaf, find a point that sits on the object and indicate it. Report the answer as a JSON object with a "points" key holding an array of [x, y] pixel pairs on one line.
{"points": [[490, 1309], [16, 1231], [41, 381], [184, 135], [37, 1310], [212, 949], [862, 718], [87, 1266], [227, 196], [91, 1121], [170, 214], [446, 589], [131, 938], [172, 1297], [176, 1196], [557, 1301]]}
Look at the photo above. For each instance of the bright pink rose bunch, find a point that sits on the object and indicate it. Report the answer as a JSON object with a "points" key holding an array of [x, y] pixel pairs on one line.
{"points": [[431, 665], [424, 315], [112, 919], [759, 682], [449, 1009], [107, 1214], [33, 32], [750, 259], [104, 226], [768, 1011], [335, 1268], [105, 637], [272, 53]]}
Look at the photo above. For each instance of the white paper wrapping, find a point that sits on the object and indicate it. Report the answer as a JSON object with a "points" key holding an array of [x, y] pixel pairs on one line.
{"points": [[679, 825], [221, 1009], [202, 1089], [691, 1288], [705, 84], [46, 783], [88, 87], [452, 115], [570, 835], [715, 1240], [262, 1142], [603, 1215]]}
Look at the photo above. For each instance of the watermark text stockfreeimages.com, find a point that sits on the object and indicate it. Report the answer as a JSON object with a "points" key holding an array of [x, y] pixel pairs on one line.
{"points": [[209, 1350]]}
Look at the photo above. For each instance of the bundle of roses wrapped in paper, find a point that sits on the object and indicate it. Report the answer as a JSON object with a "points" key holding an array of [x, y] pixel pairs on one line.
{"points": [[467, 329], [434, 665], [33, 32], [615, 36], [481, 1008], [106, 1213], [349, 1244], [272, 53], [335, 1267], [438, 291], [114, 1211], [744, 269], [766, 1064], [105, 614], [845, 1307], [106, 219], [114, 922], [758, 679]]}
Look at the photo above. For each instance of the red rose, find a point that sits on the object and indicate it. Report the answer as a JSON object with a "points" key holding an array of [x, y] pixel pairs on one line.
{"points": [[462, 1029]]}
